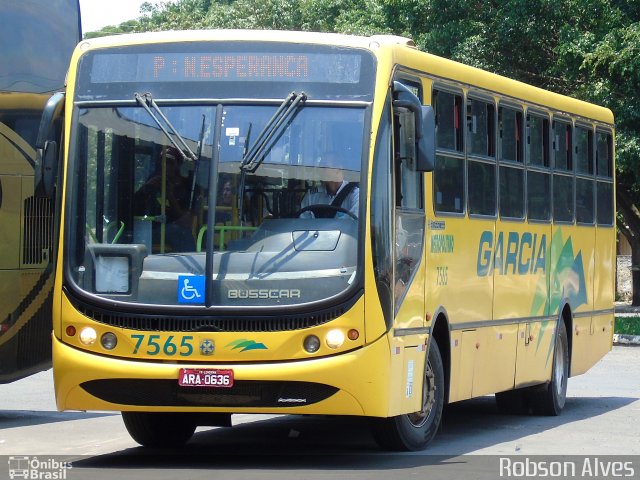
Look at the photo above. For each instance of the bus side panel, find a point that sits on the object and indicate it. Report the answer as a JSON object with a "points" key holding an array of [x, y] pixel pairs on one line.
{"points": [[601, 334], [520, 291], [495, 359], [455, 286], [572, 275], [535, 334]]}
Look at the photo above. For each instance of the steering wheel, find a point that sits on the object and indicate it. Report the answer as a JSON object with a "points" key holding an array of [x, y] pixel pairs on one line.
{"points": [[324, 211]]}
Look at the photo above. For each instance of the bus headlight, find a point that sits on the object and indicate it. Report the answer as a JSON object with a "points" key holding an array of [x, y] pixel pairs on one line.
{"points": [[109, 341], [88, 336], [334, 338]]}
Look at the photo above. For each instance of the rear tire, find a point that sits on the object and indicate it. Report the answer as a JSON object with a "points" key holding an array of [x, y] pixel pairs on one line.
{"points": [[414, 431], [159, 429], [550, 399]]}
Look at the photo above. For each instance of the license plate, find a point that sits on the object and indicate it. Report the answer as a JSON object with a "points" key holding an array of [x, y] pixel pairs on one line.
{"points": [[197, 377]]}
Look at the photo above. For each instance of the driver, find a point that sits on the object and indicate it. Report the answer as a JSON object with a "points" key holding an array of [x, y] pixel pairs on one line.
{"points": [[334, 190]]}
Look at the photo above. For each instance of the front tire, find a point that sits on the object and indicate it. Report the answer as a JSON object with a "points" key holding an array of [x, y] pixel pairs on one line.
{"points": [[551, 398], [159, 429], [414, 431]]}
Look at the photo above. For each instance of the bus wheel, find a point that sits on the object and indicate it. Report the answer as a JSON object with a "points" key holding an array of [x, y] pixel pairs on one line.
{"points": [[159, 429], [414, 431], [550, 399]]}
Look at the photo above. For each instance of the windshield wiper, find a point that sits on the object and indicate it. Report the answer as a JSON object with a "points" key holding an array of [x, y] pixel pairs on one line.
{"points": [[252, 158], [146, 101]]}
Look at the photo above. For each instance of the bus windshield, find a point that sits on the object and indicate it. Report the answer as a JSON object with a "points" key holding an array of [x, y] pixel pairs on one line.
{"points": [[147, 217]]}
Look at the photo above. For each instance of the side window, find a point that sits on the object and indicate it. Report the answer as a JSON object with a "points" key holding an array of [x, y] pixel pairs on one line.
{"points": [[409, 211], [538, 140], [481, 128], [538, 196], [481, 147], [449, 191], [604, 183], [408, 180], [511, 163], [448, 110], [585, 185], [562, 145], [482, 188], [510, 121], [563, 185], [537, 150], [381, 214]]}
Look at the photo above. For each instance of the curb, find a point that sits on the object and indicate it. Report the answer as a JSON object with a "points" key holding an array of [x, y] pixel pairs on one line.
{"points": [[627, 340]]}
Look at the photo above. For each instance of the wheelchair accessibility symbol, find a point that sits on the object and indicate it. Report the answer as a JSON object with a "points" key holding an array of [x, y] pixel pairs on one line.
{"points": [[191, 289]]}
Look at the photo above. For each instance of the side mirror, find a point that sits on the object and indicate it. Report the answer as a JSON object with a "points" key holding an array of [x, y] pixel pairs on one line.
{"points": [[47, 152], [425, 121]]}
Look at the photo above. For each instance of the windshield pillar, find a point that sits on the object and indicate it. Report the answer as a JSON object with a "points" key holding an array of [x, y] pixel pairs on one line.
{"points": [[212, 201]]}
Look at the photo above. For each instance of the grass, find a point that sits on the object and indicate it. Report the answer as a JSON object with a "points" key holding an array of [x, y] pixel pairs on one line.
{"points": [[627, 325]]}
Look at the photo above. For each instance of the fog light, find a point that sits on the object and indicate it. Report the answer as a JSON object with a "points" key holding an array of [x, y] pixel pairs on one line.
{"points": [[334, 338], [109, 341], [311, 344], [88, 336]]}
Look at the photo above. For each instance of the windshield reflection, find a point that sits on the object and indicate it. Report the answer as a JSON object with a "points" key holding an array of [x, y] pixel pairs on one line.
{"points": [[290, 220]]}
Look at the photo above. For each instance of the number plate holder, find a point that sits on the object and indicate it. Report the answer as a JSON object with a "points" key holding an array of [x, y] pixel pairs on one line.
{"points": [[205, 377]]}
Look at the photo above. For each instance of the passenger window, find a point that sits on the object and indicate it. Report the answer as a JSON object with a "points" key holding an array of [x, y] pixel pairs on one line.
{"points": [[538, 194], [562, 198], [448, 111], [604, 185], [584, 150], [481, 128], [511, 192], [511, 134], [482, 188], [605, 203], [538, 140], [562, 145], [449, 184], [584, 200], [604, 154]]}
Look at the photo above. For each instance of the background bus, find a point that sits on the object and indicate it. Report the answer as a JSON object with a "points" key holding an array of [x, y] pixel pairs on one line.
{"points": [[37, 39], [478, 259]]}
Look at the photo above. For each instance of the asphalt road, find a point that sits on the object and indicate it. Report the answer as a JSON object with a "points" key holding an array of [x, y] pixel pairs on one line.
{"points": [[601, 418]]}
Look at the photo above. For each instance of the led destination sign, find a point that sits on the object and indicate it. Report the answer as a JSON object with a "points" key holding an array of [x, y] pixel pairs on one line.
{"points": [[226, 67]]}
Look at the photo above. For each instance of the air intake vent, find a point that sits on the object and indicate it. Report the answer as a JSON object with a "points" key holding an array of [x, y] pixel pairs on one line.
{"points": [[38, 231], [168, 323]]}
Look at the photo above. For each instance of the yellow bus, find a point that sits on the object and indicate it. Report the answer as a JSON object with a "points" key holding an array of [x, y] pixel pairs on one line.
{"points": [[303, 223], [37, 38]]}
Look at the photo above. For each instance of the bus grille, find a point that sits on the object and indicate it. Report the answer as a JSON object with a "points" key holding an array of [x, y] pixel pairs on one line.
{"points": [[38, 230], [167, 323], [244, 393], [209, 324]]}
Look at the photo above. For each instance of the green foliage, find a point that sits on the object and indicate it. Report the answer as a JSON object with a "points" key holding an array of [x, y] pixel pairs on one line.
{"points": [[627, 325]]}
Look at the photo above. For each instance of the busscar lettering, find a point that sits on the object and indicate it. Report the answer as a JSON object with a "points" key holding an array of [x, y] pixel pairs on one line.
{"points": [[262, 293], [511, 254]]}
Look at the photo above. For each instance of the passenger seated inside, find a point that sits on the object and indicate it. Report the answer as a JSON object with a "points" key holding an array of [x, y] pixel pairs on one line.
{"points": [[148, 200], [335, 197]]}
